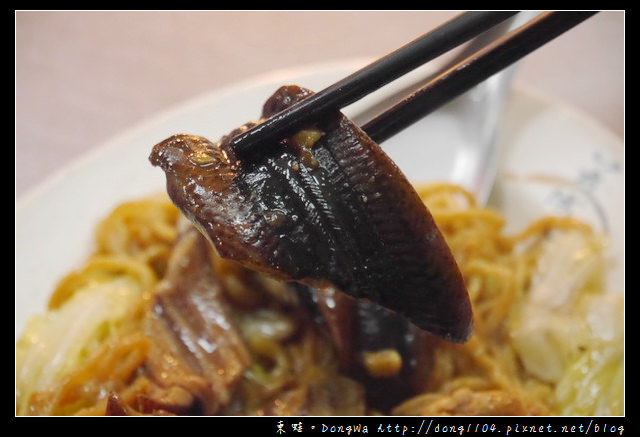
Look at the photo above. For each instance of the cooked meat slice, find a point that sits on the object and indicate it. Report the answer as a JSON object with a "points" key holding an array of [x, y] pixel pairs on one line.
{"points": [[325, 206], [195, 343], [391, 357]]}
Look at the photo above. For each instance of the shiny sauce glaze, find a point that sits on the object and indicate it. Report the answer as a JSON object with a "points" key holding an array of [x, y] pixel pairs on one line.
{"points": [[325, 207]]}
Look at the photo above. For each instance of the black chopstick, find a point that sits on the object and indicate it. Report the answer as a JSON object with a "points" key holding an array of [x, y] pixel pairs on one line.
{"points": [[443, 88], [451, 34], [473, 70]]}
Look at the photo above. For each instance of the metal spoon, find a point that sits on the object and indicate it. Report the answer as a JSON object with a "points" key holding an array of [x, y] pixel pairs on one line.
{"points": [[482, 110], [472, 121]]}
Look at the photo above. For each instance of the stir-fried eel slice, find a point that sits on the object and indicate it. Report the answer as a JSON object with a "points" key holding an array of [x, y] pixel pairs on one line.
{"points": [[389, 356], [195, 343], [325, 206]]}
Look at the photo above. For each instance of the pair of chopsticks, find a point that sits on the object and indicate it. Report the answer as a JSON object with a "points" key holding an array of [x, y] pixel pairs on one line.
{"points": [[443, 88]]}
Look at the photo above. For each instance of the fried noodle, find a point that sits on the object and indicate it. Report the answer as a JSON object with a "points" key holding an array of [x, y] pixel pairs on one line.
{"points": [[101, 367]]}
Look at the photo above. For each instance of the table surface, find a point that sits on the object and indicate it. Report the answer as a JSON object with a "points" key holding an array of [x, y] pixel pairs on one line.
{"points": [[83, 77]]}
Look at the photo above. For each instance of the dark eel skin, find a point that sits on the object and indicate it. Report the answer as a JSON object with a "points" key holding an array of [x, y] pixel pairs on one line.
{"points": [[328, 211]]}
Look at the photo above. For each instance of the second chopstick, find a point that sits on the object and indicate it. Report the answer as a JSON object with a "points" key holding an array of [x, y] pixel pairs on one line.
{"points": [[473, 70], [451, 34]]}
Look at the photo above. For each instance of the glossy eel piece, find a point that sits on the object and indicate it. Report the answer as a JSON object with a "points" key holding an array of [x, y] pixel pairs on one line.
{"points": [[324, 207]]}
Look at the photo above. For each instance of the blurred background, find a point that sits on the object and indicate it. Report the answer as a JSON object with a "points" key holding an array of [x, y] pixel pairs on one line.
{"points": [[82, 77]]}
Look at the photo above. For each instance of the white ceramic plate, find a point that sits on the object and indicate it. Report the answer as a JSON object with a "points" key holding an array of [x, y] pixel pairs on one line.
{"points": [[555, 161]]}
